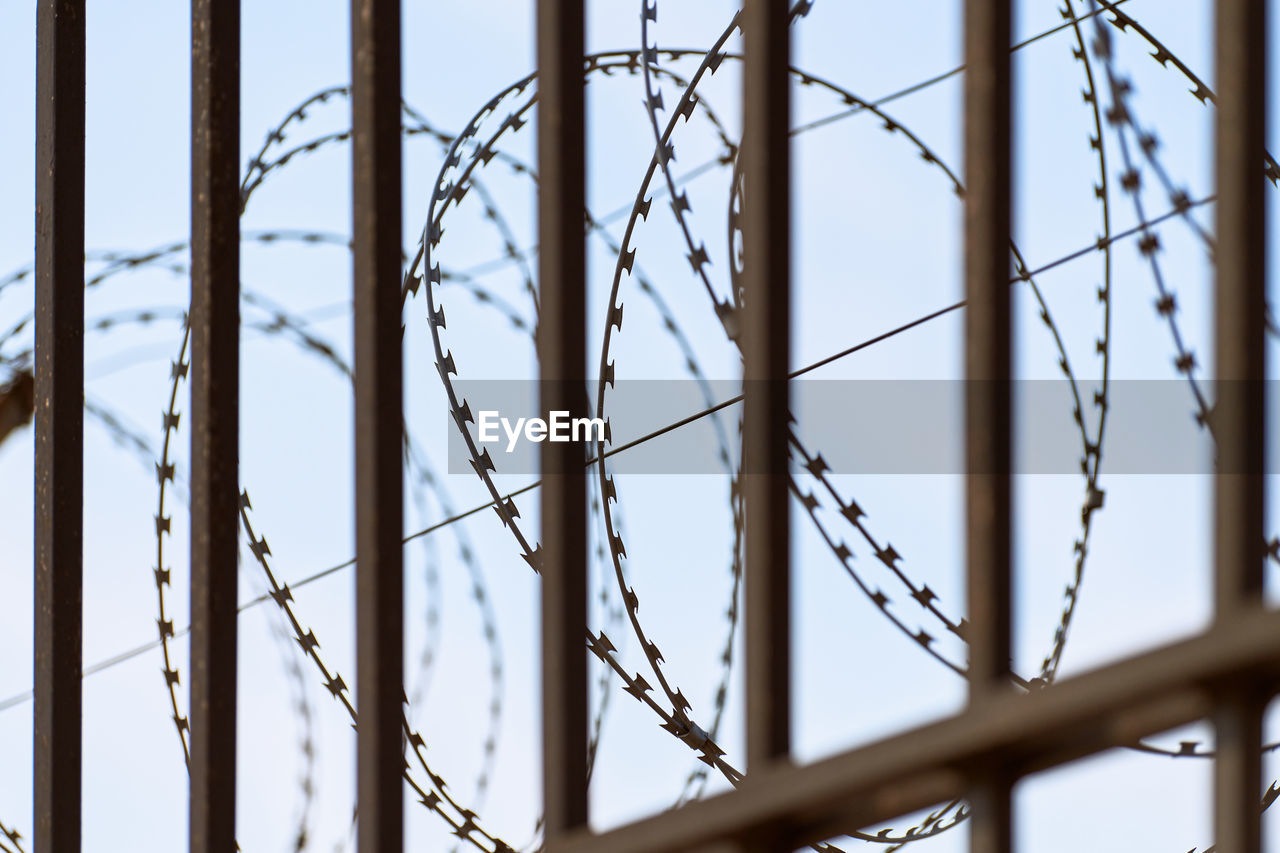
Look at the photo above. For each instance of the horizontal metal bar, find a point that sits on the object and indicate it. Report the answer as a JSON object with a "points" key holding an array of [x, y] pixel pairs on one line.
{"points": [[1113, 706]]}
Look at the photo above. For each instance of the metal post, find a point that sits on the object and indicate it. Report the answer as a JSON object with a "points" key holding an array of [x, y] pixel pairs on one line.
{"points": [[59, 422], [562, 356], [988, 370], [215, 418], [1239, 419], [375, 122], [766, 331]]}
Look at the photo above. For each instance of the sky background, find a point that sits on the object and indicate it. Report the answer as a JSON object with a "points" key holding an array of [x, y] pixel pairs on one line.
{"points": [[876, 232]]}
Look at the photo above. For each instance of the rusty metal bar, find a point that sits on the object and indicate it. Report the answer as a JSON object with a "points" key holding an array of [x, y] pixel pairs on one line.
{"points": [[988, 406], [215, 418], [376, 228], [1239, 416], [59, 422], [562, 348], [990, 797], [988, 353], [766, 345], [1237, 785], [1110, 707]]}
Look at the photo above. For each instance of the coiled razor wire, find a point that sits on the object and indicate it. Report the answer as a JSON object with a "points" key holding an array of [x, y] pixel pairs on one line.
{"points": [[467, 155], [12, 842]]}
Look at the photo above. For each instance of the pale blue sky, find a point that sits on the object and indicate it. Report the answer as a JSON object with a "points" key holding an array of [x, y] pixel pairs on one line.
{"points": [[877, 231]]}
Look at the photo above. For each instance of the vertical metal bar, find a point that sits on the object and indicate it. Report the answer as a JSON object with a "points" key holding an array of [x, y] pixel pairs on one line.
{"points": [[562, 357], [376, 152], [1239, 415], [988, 371], [59, 422], [215, 418], [1237, 772], [991, 800], [766, 346], [988, 354]]}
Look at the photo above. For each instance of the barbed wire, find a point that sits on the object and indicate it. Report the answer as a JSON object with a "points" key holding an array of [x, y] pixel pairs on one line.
{"points": [[486, 139], [12, 840], [450, 521]]}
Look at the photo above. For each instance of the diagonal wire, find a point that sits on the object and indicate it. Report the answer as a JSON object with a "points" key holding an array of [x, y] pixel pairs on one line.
{"points": [[946, 75], [702, 169], [22, 698]]}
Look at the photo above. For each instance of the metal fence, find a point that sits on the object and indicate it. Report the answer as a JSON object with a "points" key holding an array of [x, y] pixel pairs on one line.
{"points": [[1227, 673]]}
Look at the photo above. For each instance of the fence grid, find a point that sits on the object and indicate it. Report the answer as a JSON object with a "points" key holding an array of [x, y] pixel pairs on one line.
{"points": [[1225, 674]]}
